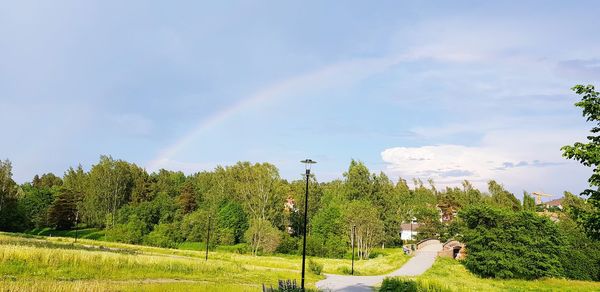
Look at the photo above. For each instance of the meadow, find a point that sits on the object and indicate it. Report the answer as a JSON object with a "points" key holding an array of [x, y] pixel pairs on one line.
{"points": [[30, 262], [450, 275]]}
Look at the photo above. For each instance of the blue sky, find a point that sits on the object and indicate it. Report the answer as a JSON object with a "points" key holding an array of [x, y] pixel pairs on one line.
{"points": [[452, 91]]}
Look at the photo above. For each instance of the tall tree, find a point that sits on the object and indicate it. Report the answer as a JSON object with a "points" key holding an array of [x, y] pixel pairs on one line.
{"points": [[11, 217], [588, 154], [358, 181], [109, 188], [528, 202], [62, 212], [502, 198]]}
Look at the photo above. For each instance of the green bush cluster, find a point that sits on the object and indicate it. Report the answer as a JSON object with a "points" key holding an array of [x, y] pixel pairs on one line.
{"points": [[398, 285], [524, 245], [315, 267]]}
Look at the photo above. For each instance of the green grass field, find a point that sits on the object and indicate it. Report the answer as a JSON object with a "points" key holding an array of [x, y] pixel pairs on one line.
{"points": [[40, 263], [449, 275], [29, 262]]}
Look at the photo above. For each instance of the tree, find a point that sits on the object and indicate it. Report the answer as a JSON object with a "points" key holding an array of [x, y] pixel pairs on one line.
{"points": [[502, 198], [358, 181], [62, 212], [506, 244], [231, 217], [187, 198], [369, 228], [109, 188], [8, 187], [588, 154], [256, 187], [327, 236], [262, 236], [35, 203], [528, 202], [11, 216]]}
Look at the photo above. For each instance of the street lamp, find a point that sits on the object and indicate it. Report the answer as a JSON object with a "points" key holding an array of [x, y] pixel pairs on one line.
{"points": [[307, 164]]}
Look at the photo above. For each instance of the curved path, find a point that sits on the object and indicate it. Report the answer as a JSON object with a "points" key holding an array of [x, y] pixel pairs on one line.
{"points": [[423, 260]]}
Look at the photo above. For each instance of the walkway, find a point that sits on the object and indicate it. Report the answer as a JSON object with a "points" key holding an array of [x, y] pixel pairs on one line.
{"points": [[423, 260]]}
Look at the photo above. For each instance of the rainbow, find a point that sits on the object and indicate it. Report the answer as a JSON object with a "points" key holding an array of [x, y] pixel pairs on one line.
{"points": [[341, 72]]}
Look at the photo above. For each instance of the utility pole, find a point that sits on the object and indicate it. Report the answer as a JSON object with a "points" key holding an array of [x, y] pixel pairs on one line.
{"points": [[207, 238]]}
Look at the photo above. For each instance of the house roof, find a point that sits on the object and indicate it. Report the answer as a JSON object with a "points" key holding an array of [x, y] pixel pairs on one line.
{"points": [[556, 202], [406, 226]]}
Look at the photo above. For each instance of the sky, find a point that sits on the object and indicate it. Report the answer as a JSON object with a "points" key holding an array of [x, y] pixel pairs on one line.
{"points": [[450, 90]]}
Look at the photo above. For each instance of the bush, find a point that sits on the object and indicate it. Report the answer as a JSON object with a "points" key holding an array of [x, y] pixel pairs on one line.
{"points": [[398, 285], [164, 235], [508, 244], [315, 267], [132, 232], [581, 259], [347, 270], [289, 244], [262, 236]]}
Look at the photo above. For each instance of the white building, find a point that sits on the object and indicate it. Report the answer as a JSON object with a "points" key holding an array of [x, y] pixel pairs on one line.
{"points": [[409, 231]]}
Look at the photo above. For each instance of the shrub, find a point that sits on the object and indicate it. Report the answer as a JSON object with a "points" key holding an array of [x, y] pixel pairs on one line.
{"points": [[347, 270], [132, 232], [289, 244], [164, 235], [262, 236], [315, 267], [398, 285], [508, 244]]}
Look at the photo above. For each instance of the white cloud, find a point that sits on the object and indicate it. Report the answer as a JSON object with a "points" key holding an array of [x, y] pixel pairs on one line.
{"points": [[519, 159]]}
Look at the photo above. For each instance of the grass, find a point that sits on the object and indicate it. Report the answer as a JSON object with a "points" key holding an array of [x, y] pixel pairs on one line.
{"points": [[89, 233], [450, 275], [32, 262]]}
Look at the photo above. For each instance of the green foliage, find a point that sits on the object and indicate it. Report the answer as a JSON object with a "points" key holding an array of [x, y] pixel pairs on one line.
{"points": [[62, 212], [369, 228], [131, 232], [292, 245], [327, 233], [502, 198], [398, 285], [581, 258], [232, 220], [528, 202], [12, 217], [35, 203], [507, 244], [588, 154], [164, 235], [315, 267], [358, 181], [262, 236]]}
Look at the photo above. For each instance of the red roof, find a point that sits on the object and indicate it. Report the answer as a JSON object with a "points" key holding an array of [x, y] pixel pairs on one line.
{"points": [[555, 202]]}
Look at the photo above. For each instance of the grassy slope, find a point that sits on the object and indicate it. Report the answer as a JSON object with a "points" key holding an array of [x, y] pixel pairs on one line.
{"points": [[55, 263], [450, 275]]}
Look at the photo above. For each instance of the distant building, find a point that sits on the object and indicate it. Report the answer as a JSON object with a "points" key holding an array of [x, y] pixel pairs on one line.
{"points": [[557, 203], [409, 231]]}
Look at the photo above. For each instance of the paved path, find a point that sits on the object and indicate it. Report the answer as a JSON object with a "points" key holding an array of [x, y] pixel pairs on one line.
{"points": [[417, 265]]}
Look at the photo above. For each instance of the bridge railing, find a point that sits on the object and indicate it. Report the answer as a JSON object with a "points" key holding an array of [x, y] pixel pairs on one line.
{"points": [[426, 242]]}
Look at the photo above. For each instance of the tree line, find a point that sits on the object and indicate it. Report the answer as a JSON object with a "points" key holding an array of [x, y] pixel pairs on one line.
{"points": [[249, 204]]}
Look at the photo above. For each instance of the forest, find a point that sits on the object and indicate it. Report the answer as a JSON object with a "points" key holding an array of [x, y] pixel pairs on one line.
{"points": [[249, 205]]}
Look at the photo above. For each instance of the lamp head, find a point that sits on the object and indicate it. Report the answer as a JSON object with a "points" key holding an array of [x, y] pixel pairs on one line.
{"points": [[308, 162]]}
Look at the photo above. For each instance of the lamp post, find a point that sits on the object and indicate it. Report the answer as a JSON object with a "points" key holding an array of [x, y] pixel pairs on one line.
{"points": [[353, 239], [207, 238], [307, 164]]}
